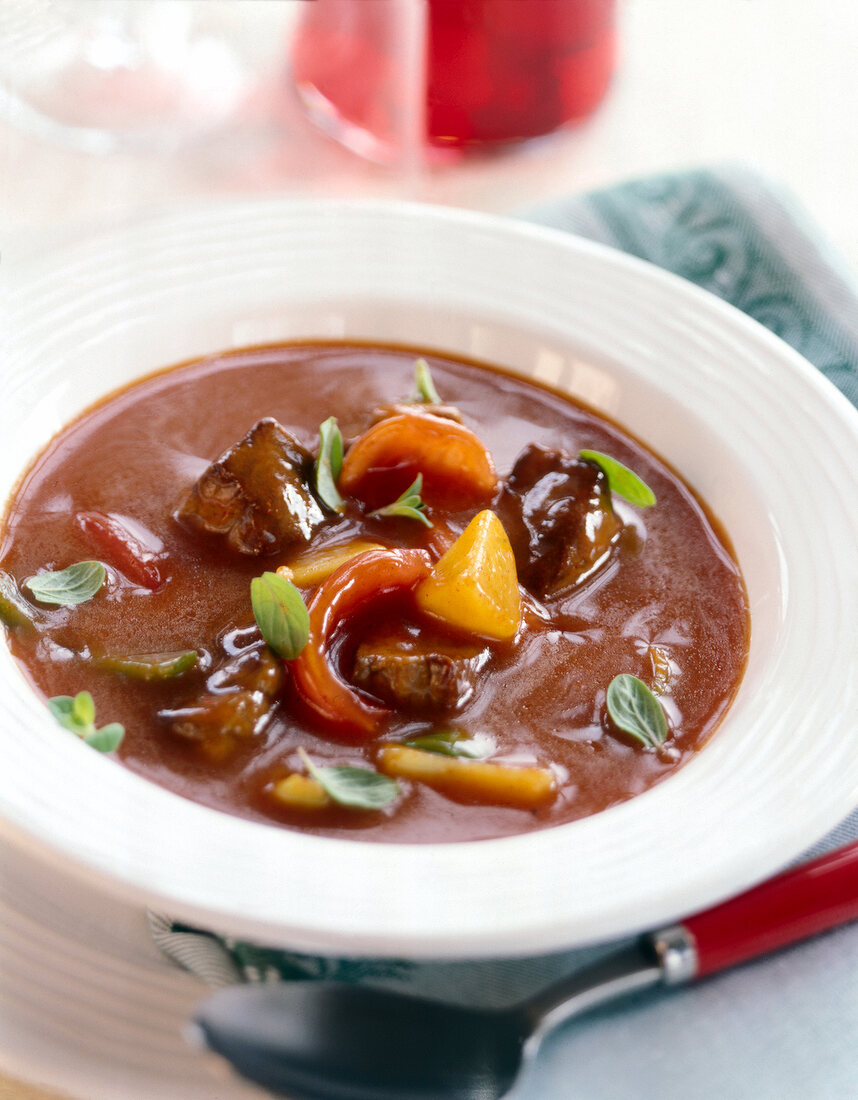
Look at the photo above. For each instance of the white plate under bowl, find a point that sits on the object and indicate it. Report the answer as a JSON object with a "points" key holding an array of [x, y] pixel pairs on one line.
{"points": [[756, 430]]}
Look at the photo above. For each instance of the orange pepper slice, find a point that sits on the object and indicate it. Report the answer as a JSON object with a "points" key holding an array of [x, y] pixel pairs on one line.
{"points": [[458, 471], [337, 705]]}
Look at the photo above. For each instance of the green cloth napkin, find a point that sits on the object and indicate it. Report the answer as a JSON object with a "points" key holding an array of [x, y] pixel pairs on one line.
{"points": [[734, 233], [747, 241]]}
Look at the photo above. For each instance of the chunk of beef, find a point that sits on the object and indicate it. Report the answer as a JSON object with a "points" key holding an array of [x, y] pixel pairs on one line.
{"points": [[557, 512], [413, 671], [238, 697], [256, 493]]}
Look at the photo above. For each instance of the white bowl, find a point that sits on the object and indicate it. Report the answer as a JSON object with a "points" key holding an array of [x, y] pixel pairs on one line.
{"points": [[756, 430]]}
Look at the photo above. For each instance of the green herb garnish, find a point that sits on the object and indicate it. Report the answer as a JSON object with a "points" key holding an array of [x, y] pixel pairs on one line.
{"points": [[280, 614], [622, 481], [454, 743], [358, 788], [148, 666], [635, 710], [409, 504], [77, 713], [329, 464], [76, 584], [15, 612], [425, 394]]}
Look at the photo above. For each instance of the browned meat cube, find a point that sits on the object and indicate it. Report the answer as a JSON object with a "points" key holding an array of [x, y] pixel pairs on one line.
{"points": [[557, 512], [414, 671], [256, 493], [237, 699]]}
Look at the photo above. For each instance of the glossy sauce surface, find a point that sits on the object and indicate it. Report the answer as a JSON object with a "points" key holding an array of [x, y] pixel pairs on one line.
{"points": [[669, 606]]}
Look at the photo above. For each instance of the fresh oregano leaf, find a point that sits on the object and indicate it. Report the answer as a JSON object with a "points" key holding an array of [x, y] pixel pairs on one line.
{"points": [[107, 739], [623, 481], [62, 708], [633, 708], [280, 614], [83, 709], [454, 743], [409, 504], [358, 788], [425, 394], [77, 713], [76, 584], [329, 464]]}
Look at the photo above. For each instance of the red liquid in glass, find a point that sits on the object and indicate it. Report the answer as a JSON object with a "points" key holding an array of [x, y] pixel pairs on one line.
{"points": [[496, 71]]}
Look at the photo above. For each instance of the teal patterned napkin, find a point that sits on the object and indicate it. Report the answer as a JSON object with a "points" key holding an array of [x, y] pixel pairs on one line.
{"points": [[738, 236]]}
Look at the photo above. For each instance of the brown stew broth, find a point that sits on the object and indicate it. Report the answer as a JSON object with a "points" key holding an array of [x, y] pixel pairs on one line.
{"points": [[672, 582]]}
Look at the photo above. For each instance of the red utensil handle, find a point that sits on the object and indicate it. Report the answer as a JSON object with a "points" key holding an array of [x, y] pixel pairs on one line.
{"points": [[800, 903]]}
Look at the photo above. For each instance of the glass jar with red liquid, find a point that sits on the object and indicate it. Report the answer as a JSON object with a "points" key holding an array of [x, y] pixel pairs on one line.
{"points": [[451, 74]]}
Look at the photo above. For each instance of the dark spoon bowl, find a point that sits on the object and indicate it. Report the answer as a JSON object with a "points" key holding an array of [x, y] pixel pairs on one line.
{"points": [[337, 1042], [333, 1041]]}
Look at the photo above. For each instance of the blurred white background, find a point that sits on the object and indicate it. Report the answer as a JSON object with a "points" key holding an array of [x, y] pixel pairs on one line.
{"points": [[770, 83]]}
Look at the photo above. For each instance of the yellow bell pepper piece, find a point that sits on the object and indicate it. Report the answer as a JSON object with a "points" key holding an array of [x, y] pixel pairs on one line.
{"points": [[474, 586], [312, 568], [522, 788], [300, 792]]}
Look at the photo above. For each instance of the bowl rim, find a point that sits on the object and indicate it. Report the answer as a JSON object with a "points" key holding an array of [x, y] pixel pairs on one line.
{"points": [[190, 884]]}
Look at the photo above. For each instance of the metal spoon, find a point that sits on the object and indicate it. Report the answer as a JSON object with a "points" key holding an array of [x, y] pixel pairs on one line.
{"points": [[334, 1041]]}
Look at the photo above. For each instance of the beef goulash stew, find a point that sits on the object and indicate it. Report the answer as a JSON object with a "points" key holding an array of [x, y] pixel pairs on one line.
{"points": [[371, 592]]}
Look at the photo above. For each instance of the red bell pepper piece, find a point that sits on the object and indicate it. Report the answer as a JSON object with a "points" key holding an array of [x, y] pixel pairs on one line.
{"points": [[120, 548], [336, 704]]}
